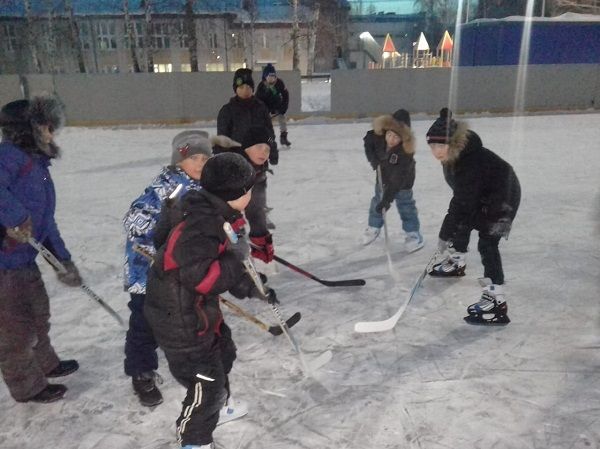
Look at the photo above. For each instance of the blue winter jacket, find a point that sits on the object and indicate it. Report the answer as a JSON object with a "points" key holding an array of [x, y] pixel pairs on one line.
{"points": [[140, 222], [27, 190]]}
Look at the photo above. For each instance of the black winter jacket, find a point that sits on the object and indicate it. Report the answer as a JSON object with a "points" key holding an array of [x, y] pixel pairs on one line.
{"points": [[397, 167], [486, 192], [238, 116], [189, 271], [276, 97]]}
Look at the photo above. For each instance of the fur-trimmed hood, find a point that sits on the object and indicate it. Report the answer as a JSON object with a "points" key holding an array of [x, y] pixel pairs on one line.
{"points": [[458, 141], [20, 121], [387, 122]]}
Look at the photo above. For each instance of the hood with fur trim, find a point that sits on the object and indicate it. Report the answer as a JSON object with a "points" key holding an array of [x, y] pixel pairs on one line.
{"points": [[387, 122], [20, 121], [458, 141]]}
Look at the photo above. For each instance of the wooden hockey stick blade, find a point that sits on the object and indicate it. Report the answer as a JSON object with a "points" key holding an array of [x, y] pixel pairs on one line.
{"points": [[276, 330]]}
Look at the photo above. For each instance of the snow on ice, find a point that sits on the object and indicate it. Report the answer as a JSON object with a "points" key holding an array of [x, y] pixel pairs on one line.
{"points": [[432, 382]]}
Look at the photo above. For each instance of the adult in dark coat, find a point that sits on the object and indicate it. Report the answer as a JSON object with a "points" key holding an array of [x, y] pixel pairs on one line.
{"points": [[190, 270], [27, 203], [486, 196]]}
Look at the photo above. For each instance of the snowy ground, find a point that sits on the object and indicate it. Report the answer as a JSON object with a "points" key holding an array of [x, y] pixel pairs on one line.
{"points": [[433, 382]]}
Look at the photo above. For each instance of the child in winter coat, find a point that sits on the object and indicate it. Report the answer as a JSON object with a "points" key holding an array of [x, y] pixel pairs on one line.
{"points": [[27, 202], [255, 149], [190, 270], [389, 148], [190, 151], [272, 92], [486, 196]]}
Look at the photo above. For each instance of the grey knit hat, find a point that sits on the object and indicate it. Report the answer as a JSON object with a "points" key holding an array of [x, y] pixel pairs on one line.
{"points": [[190, 142]]}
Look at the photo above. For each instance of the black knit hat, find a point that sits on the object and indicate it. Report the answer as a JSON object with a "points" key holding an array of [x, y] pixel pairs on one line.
{"points": [[254, 135], [402, 116], [241, 77], [268, 70], [443, 128], [227, 175]]}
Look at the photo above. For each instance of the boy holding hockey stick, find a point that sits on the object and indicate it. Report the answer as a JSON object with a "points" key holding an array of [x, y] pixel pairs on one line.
{"points": [[486, 196], [390, 149], [190, 270]]}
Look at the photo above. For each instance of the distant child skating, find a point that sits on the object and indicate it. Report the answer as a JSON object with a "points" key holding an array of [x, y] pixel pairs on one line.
{"points": [[390, 148], [190, 151], [486, 196], [272, 91]]}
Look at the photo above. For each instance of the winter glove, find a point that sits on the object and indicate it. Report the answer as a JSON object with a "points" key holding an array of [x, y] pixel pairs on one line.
{"points": [[383, 205], [269, 296], [21, 233], [274, 156], [71, 277], [262, 248]]}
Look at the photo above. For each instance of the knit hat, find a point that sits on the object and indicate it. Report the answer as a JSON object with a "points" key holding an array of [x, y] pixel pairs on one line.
{"points": [[190, 142], [227, 176], [241, 77], [254, 135], [402, 116], [443, 128], [268, 70]]}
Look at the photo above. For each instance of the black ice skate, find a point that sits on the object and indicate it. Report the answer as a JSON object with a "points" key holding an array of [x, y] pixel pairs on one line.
{"points": [[452, 266], [145, 387], [491, 308], [284, 140]]}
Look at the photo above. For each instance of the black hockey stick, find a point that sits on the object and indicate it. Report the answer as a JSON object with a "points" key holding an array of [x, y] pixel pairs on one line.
{"points": [[341, 283]]}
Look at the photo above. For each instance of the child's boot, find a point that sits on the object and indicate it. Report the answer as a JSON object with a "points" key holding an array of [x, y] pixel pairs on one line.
{"points": [[284, 140], [490, 309], [370, 235], [413, 241], [145, 387]]}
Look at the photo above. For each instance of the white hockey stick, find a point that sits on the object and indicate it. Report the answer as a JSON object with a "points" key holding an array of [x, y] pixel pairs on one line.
{"points": [[386, 325]]}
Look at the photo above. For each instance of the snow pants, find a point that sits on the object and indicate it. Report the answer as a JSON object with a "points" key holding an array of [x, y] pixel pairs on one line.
{"points": [[140, 345], [26, 353], [204, 372]]}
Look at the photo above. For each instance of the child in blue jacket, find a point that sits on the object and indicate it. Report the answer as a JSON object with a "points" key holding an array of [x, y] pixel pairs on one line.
{"points": [[190, 151]]}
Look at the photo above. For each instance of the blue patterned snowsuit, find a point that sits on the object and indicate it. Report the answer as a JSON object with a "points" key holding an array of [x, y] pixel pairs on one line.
{"points": [[140, 223]]}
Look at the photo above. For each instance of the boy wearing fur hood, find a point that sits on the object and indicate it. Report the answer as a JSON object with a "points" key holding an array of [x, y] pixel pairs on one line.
{"points": [[27, 203], [486, 196], [390, 149], [189, 152]]}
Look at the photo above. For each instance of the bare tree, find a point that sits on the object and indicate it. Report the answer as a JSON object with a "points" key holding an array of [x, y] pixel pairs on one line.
{"points": [[311, 38], [148, 48], [190, 29], [50, 38], [31, 38], [250, 6], [295, 37], [131, 38], [581, 6], [74, 35]]}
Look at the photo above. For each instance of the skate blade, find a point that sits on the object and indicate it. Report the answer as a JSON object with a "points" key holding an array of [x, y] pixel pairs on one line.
{"points": [[478, 321]]}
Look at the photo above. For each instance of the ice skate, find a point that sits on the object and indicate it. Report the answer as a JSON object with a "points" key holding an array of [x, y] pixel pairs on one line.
{"points": [[232, 410], [370, 235], [413, 241], [145, 387], [452, 266], [491, 309], [195, 446], [283, 140]]}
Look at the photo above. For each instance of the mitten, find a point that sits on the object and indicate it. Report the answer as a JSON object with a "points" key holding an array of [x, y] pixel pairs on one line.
{"points": [[274, 157], [262, 248], [21, 233], [383, 205], [71, 277], [269, 296]]}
